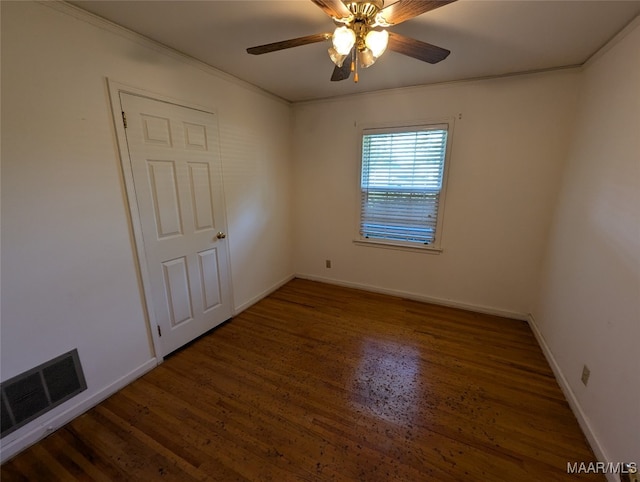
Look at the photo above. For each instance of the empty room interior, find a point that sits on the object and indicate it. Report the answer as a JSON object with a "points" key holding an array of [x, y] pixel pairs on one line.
{"points": [[233, 248]]}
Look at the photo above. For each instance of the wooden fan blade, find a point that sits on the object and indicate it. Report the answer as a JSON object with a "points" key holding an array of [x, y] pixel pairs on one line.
{"points": [[334, 8], [406, 9], [416, 49], [342, 73], [287, 44]]}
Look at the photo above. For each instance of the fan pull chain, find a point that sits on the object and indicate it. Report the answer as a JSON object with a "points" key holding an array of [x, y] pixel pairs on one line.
{"points": [[354, 66]]}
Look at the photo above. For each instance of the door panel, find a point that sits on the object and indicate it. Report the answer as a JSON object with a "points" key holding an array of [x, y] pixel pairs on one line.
{"points": [[210, 278], [195, 136], [202, 198], [176, 171], [176, 282], [156, 130], [162, 177]]}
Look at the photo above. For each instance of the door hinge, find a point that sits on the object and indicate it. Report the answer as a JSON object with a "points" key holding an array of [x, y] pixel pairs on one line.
{"points": [[159, 330], [124, 119]]}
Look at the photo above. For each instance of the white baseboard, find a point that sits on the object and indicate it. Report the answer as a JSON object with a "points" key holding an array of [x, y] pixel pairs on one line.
{"points": [[44, 426], [583, 421], [239, 309], [582, 418], [419, 297]]}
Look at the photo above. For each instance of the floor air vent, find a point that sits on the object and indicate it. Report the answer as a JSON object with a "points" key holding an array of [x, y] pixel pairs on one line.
{"points": [[34, 392]]}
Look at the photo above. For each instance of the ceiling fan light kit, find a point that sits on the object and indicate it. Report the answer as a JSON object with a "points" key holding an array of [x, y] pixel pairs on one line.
{"points": [[376, 41], [336, 57], [343, 39], [360, 35]]}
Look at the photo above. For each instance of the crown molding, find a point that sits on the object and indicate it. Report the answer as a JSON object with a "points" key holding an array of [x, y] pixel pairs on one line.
{"points": [[613, 41]]}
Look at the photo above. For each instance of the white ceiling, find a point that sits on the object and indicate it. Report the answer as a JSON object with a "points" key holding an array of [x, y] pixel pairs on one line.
{"points": [[486, 38]]}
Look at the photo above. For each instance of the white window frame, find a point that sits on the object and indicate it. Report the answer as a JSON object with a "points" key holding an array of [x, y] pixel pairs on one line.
{"points": [[436, 246]]}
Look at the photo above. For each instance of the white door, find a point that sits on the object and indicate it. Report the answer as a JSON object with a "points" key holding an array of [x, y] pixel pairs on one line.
{"points": [[178, 191]]}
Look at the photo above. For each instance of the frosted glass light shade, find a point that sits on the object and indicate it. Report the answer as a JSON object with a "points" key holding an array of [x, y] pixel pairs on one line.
{"points": [[337, 58], [366, 58], [376, 41], [343, 40]]}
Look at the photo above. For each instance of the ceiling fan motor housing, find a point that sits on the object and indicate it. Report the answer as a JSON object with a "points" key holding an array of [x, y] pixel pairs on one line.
{"points": [[364, 19], [365, 11]]}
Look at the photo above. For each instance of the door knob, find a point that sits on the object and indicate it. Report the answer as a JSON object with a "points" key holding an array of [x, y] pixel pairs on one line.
{"points": [[221, 235]]}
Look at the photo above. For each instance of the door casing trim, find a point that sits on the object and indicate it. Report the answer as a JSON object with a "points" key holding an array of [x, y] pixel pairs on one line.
{"points": [[133, 215]]}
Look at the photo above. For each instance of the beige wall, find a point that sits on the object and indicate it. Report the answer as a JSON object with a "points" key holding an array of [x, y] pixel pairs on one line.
{"points": [[68, 271], [534, 163], [589, 306], [507, 155]]}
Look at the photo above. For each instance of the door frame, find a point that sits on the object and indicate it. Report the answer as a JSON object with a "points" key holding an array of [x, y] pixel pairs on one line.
{"points": [[133, 215]]}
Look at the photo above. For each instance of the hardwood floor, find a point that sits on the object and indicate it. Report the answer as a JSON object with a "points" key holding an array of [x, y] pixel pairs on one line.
{"points": [[318, 382]]}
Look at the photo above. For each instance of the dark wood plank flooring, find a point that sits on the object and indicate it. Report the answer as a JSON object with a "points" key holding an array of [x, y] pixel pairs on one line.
{"points": [[318, 382]]}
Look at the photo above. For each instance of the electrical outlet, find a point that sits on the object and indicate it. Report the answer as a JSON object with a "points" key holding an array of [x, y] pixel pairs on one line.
{"points": [[327, 263], [585, 375]]}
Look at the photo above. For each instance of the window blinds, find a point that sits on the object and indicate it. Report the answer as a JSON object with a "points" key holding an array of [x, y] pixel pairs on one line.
{"points": [[401, 182]]}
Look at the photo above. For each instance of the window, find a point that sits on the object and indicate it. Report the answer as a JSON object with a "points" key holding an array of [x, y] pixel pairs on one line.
{"points": [[401, 185]]}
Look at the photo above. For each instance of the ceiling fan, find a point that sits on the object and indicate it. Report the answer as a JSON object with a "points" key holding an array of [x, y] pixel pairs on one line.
{"points": [[361, 36]]}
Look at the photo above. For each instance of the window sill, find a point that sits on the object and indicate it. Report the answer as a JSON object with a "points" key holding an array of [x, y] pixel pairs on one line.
{"points": [[401, 247]]}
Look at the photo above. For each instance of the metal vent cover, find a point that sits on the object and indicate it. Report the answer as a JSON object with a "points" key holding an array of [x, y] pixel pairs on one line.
{"points": [[36, 391]]}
